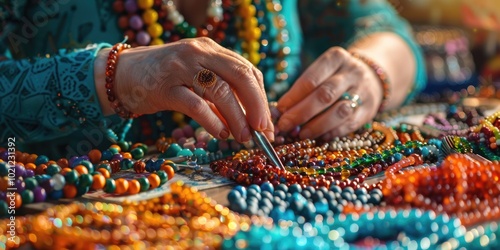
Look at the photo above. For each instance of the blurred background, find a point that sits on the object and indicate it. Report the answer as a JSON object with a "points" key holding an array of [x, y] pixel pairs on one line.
{"points": [[461, 41]]}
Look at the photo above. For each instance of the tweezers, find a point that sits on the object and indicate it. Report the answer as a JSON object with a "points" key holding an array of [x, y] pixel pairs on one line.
{"points": [[267, 148]]}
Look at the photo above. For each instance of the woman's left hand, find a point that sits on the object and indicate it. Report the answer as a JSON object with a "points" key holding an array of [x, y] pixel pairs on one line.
{"points": [[317, 101]]}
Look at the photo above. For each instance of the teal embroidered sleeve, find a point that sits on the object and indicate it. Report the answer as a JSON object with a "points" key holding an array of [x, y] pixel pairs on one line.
{"points": [[327, 23], [47, 98]]}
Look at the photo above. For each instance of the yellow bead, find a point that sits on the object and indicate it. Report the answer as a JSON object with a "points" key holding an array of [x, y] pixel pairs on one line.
{"points": [[145, 4], [251, 46], [157, 41], [253, 34], [247, 11], [150, 16], [178, 117], [254, 58], [345, 174], [250, 23], [155, 30], [245, 2]]}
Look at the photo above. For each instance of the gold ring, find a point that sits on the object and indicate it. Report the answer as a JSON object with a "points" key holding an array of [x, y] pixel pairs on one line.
{"points": [[203, 79]]}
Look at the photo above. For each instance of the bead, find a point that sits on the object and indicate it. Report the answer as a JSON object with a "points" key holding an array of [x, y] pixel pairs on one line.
{"points": [[145, 4], [110, 186], [70, 191], [150, 16], [98, 182], [144, 183], [122, 186], [154, 181], [134, 187]]}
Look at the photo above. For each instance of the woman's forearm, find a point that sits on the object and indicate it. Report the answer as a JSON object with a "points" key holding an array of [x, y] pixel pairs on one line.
{"points": [[390, 52]]}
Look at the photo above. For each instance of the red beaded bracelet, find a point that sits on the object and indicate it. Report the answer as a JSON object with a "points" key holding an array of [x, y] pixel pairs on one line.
{"points": [[382, 76], [116, 105]]}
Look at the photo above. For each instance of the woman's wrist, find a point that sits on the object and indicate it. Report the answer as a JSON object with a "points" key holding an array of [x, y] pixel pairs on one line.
{"points": [[100, 80]]}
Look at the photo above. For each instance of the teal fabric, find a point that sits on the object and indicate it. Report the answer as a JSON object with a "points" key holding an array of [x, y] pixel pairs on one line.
{"points": [[49, 67]]}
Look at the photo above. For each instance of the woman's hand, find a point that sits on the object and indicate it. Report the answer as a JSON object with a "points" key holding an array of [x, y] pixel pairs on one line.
{"points": [[156, 78], [315, 103]]}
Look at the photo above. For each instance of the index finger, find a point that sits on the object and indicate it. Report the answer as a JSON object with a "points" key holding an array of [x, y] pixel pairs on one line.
{"points": [[320, 70], [240, 76]]}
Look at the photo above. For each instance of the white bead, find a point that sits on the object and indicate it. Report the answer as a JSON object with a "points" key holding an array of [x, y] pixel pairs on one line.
{"points": [[215, 11], [59, 182], [176, 17], [249, 144]]}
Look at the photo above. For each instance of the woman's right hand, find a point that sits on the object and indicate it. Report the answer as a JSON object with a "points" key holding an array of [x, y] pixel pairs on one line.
{"points": [[156, 78]]}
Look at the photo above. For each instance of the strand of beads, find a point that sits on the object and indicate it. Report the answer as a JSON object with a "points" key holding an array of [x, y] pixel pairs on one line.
{"points": [[181, 219], [38, 179], [461, 185], [486, 137]]}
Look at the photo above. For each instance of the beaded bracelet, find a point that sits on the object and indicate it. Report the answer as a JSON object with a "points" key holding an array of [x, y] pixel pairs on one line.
{"points": [[382, 76], [110, 78]]}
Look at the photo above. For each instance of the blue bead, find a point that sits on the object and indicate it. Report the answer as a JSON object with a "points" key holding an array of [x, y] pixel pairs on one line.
{"points": [[280, 193], [41, 159], [316, 196], [306, 194], [425, 151], [267, 194], [233, 195], [242, 190], [376, 191], [238, 205], [254, 187], [360, 191], [282, 187], [348, 190], [277, 213], [363, 198], [335, 188], [267, 186], [185, 153], [213, 145], [56, 194], [398, 156], [309, 211], [106, 155], [321, 206], [158, 163], [374, 199]]}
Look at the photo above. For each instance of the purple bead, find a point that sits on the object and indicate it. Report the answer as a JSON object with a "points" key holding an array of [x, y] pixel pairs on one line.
{"points": [[29, 173], [182, 141], [178, 133], [223, 145], [20, 185], [131, 6], [143, 38], [40, 194], [71, 160], [85, 158], [135, 22], [279, 140], [188, 131], [48, 185], [295, 132], [118, 157], [3, 196], [20, 170], [4, 155]]}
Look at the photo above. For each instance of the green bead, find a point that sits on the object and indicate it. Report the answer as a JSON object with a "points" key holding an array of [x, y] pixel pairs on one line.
{"points": [[163, 176], [114, 151], [191, 32], [4, 169], [182, 27], [144, 183], [71, 177], [27, 196], [199, 152], [81, 190], [213, 145], [124, 145], [126, 164], [137, 153], [143, 146], [110, 186], [4, 209], [185, 153], [30, 183], [85, 180], [52, 169], [172, 151]]}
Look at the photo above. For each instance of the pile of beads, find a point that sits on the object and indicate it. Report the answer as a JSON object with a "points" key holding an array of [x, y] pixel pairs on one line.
{"points": [[462, 185], [387, 229], [36, 178], [184, 218], [289, 203]]}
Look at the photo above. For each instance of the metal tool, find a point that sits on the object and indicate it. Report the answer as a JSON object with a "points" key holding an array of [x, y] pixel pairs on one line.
{"points": [[267, 148]]}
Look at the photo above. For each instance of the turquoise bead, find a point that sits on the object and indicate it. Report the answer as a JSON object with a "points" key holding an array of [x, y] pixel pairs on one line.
{"points": [[172, 151], [185, 153], [30, 183], [53, 169], [41, 159], [4, 209], [27, 196]]}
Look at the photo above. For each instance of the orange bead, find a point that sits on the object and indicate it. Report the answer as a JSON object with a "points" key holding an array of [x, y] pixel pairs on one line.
{"points": [[81, 169], [30, 166], [98, 182], [104, 172], [19, 200], [40, 169], [94, 155], [121, 186], [4, 183], [31, 158], [50, 162], [493, 145], [65, 170], [63, 163], [116, 147], [169, 170], [127, 155], [69, 191], [154, 181], [23, 158], [134, 187]]}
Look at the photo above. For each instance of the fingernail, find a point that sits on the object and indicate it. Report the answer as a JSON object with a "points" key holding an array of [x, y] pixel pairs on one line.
{"points": [[245, 135], [306, 134], [345, 110], [269, 135], [224, 134], [284, 125]]}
